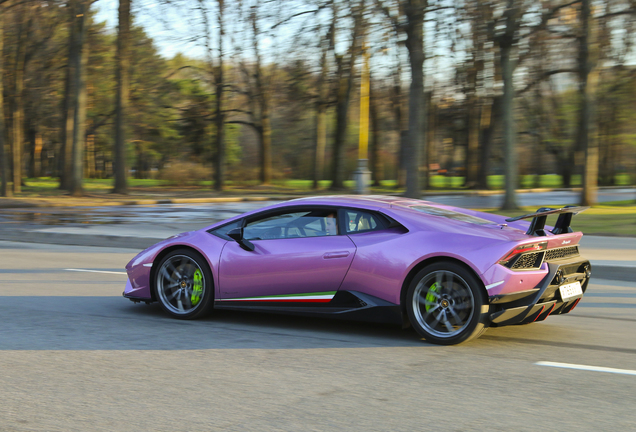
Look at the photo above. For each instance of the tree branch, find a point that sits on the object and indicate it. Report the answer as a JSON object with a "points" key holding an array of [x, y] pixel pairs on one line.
{"points": [[544, 76]]}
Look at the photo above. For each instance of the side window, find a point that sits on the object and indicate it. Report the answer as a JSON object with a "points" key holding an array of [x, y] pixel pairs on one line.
{"points": [[314, 223], [359, 221], [222, 231]]}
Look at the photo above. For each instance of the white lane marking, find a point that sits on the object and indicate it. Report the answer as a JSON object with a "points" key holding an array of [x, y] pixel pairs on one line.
{"points": [[96, 271], [492, 285], [586, 368]]}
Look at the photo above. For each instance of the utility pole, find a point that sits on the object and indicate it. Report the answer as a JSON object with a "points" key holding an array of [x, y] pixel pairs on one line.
{"points": [[363, 175]]}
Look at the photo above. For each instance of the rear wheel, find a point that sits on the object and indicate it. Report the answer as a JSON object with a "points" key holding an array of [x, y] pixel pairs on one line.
{"points": [[446, 304], [183, 284]]}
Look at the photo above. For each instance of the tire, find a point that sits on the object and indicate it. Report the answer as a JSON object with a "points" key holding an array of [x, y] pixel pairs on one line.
{"points": [[446, 304], [183, 284]]}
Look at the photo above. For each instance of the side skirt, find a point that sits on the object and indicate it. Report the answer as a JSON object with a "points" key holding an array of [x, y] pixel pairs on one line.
{"points": [[347, 305]]}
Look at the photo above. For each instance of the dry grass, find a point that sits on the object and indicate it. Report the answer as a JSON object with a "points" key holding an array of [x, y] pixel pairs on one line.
{"points": [[179, 173]]}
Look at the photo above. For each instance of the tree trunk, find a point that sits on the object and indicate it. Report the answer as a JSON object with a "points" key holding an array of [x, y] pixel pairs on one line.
{"points": [[429, 134], [4, 171], [321, 119], [321, 143], [510, 149], [122, 76], [89, 158], [587, 141], [489, 122], [18, 111], [374, 154], [346, 76], [79, 123], [472, 150], [417, 107], [266, 143], [263, 89], [36, 154], [566, 162], [396, 101], [68, 108], [219, 172]]}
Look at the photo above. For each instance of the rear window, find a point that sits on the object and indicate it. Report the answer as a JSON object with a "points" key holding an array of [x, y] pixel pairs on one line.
{"points": [[436, 211]]}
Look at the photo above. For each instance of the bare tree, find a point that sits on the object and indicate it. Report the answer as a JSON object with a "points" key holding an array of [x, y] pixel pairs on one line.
{"points": [[79, 99], [68, 107], [4, 171], [219, 173], [506, 41], [19, 67], [215, 70], [345, 74], [410, 21], [374, 149], [322, 103], [122, 75]]}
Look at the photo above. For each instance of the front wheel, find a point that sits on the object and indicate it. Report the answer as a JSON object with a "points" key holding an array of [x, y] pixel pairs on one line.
{"points": [[446, 304], [183, 284]]}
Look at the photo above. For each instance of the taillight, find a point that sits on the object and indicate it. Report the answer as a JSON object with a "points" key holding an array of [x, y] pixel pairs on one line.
{"points": [[516, 252]]}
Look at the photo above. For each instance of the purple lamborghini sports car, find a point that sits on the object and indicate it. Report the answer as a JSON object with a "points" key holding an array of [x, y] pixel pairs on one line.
{"points": [[449, 272]]}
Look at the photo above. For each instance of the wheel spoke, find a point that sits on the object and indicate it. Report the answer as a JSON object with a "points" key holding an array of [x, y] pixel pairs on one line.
{"points": [[180, 305], [168, 276], [447, 323], [419, 286], [173, 295], [436, 320], [174, 270], [449, 282], [463, 305], [433, 293], [427, 303], [188, 269], [458, 320], [184, 268]]}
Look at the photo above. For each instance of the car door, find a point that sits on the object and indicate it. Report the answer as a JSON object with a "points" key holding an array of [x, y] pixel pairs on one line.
{"points": [[298, 256]]}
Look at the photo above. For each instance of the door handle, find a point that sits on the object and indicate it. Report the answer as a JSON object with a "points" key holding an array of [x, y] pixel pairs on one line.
{"points": [[342, 254]]}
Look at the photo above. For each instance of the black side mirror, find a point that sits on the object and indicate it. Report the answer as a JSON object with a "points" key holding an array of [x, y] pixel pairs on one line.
{"points": [[236, 234]]}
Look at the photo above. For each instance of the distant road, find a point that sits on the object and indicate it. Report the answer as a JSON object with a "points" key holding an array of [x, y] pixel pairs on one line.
{"points": [[532, 199]]}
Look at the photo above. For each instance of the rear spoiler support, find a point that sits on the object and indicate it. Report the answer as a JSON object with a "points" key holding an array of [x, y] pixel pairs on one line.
{"points": [[537, 226]]}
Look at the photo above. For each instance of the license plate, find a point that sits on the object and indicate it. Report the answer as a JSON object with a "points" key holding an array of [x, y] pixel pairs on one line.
{"points": [[570, 291]]}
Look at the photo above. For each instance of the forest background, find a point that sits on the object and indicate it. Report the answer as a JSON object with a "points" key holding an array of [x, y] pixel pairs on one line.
{"points": [[463, 94]]}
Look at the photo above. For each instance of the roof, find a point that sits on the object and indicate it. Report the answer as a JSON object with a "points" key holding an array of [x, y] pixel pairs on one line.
{"points": [[377, 201]]}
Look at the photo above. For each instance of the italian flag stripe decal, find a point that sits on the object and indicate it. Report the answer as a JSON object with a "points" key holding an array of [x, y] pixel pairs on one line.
{"points": [[317, 297]]}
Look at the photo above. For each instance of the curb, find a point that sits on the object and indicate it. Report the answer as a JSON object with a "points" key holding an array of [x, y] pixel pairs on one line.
{"points": [[125, 242], [40, 203], [614, 273]]}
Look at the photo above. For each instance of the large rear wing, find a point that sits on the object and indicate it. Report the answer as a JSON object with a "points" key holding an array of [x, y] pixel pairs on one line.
{"points": [[537, 226]]}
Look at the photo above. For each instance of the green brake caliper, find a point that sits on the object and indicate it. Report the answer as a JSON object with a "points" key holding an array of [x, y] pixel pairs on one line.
{"points": [[430, 297], [197, 287]]}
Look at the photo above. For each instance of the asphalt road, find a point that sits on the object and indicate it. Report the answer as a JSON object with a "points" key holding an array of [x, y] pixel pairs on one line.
{"points": [[76, 356]]}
